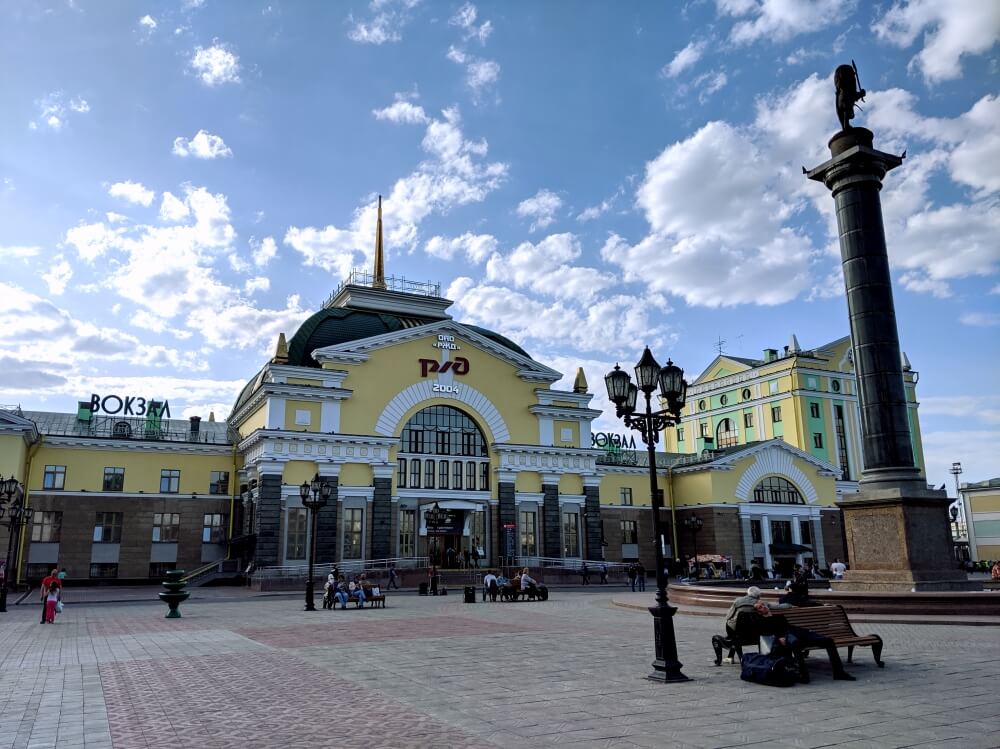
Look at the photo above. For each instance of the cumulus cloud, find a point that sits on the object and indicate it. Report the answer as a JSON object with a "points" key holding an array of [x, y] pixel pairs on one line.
{"points": [[548, 268], [385, 22], [58, 275], [148, 22], [203, 145], [54, 110], [781, 20], [133, 192], [263, 251], [684, 59], [215, 65], [475, 247], [596, 211], [540, 208], [480, 74], [18, 252], [402, 111], [465, 19], [948, 31]]}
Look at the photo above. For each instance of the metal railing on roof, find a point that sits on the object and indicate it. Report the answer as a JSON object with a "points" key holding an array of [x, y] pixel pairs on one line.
{"points": [[125, 428], [14, 409], [362, 277]]}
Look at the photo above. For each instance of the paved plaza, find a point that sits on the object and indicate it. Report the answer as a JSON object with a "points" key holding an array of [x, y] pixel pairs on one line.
{"points": [[250, 671]]}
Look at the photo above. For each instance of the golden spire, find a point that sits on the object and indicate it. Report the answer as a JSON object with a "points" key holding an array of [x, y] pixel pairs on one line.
{"points": [[580, 384], [379, 281], [280, 351]]}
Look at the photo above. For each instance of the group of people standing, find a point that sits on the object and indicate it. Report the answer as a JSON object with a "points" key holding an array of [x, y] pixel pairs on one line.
{"points": [[636, 576]]}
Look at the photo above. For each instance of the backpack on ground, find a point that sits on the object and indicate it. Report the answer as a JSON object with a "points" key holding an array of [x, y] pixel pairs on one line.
{"points": [[766, 669]]}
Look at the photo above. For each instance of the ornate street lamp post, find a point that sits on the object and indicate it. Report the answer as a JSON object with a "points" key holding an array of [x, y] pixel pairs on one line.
{"points": [[693, 524], [12, 505], [623, 393], [314, 496]]}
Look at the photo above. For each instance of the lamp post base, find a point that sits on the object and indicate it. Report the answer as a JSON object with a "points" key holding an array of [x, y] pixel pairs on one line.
{"points": [[666, 667], [310, 603]]}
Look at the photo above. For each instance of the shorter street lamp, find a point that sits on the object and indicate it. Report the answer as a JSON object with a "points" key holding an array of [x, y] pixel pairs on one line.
{"points": [[624, 393], [953, 511], [314, 496], [694, 524], [18, 516]]}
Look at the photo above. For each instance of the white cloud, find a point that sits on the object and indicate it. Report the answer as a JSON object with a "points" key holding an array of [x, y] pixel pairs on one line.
{"points": [[133, 192], [172, 208], [255, 284], [148, 22], [981, 320], [58, 275], [780, 20], [540, 208], [402, 111], [476, 247], [79, 105], [920, 283], [18, 252], [216, 65], [480, 74], [264, 251], [465, 18], [596, 211], [548, 268], [93, 240], [975, 448], [242, 325], [948, 30], [710, 83], [684, 59], [387, 20], [203, 145], [115, 218], [54, 109]]}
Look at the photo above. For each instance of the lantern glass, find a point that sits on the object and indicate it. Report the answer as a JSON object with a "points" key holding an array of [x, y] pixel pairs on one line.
{"points": [[617, 383], [326, 490], [671, 376], [304, 491], [630, 399], [646, 371], [10, 486]]}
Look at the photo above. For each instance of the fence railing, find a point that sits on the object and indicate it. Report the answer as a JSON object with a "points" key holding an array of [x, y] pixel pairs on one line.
{"points": [[348, 566]]}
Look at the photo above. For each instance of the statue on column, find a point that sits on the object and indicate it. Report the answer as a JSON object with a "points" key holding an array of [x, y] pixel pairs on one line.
{"points": [[849, 92]]}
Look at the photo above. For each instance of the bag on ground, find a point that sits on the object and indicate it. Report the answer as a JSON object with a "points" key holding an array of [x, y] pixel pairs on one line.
{"points": [[766, 669]]}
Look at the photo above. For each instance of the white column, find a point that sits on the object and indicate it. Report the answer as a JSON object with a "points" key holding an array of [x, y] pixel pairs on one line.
{"points": [[797, 536], [765, 529]]}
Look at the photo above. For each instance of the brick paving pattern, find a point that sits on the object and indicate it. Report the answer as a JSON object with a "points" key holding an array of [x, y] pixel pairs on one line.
{"points": [[253, 672]]}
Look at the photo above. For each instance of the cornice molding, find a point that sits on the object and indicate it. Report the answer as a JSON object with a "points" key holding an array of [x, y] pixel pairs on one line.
{"points": [[125, 445], [564, 413], [546, 397]]}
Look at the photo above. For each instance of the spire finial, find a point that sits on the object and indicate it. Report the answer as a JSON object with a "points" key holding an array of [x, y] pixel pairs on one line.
{"points": [[280, 351], [379, 280], [580, 383]]}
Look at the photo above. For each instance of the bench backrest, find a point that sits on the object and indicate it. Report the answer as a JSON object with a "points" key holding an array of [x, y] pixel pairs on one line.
{"points": [[829, 621]]}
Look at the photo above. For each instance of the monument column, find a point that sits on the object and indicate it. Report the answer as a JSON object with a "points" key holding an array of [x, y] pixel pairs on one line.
{"points": [[897, 531]]}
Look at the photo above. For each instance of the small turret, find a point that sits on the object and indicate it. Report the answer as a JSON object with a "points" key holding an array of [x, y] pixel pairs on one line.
{"points": [[580, 383], [905, 361], [793, 345], [280, 351], [211, 416]]}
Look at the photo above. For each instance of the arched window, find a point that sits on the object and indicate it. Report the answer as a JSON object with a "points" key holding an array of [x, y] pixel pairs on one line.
{"points": [[777, 491], [449, 433], [725, 434]]}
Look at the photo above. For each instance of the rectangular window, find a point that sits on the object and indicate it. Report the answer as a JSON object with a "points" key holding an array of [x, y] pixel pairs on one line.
{"points": [[295, 545], [748, 421], [845, 465], [484, 477], [527, 529], [442, 440], [160, 569], [170, 481], [416, 441], [756, 537], [680, 434], [630, 532], [571, 535], [772, 387], [303, 418], [103, 570], [443, 468], [817, 439], [401, 473], [219, 482], [166, 527], [805, 530], [415, 473], [703, 429], [429, 474], [407, 534], [114, 479], [775, 414], [108, 528], [781, 531], [353, 522], [47, 527], [468, 443], [54, 478], [37, 571], [625, 495], [814, 410], [213, 528], [470, 475], [456, 474]]}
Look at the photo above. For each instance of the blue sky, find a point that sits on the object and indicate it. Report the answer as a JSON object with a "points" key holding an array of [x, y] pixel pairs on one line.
{"points": [[182, 181]]}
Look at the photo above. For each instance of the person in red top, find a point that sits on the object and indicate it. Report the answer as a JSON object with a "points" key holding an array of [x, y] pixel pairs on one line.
{"points": [[48, 582]]}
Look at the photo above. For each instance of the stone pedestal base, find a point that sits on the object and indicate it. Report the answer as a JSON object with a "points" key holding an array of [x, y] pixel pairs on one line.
{"points": [[899, 539]]}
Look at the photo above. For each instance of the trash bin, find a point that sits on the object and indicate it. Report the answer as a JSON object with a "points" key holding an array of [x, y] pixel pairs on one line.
{"points": [[470, 593], [423, 589]]}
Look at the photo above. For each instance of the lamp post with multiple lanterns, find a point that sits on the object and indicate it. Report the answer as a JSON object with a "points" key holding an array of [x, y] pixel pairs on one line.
{"points": [[11, 506], [624, 393], [315, 495]]}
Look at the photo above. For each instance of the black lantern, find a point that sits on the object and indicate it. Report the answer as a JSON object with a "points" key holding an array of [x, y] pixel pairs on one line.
{"points": [[646, 371], [18, 515], [672, 385], [617, 383], [314, 495]]}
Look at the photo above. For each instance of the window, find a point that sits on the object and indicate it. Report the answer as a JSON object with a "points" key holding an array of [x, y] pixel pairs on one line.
{"points": [[414, 442], [630, 532], [302, 417], [527, 527], [817, 439], [756, 536], [401, 473], [37, 571], [748, 421], [170, 481], [484, 477], [772, 387], [353, 522], [295, 544], [47, 528], [443, 468], [814, 410], [456, 474], [443, 443], [625, 493], [166, 527], [571, 534], [443, 430], [805, 531], [838, 420], [114, 479], [680, 434], [54, 478], [746, 394], [103, 570], [703, 429], [777, 491], [160, 569], [415, 473], [108, 529], [723, 399], [407, 536], [470, 475], [835, 386], [781, 531], [429, 474], [775, 414], [219, 482], [469, 446], [726, 435], [213, 528], [811, 383], [701, 405]]}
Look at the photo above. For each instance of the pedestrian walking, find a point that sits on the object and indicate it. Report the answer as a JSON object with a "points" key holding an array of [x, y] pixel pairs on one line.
{"points": [[585, 574], [632, 573], [393, 578], [432, 573], [604, 573], [51, 601], [52, 579], [640, 576]]}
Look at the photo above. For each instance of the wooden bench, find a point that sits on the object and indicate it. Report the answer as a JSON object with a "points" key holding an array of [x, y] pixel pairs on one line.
{"points": [[514, 593], [832, 622], [375, 601]]}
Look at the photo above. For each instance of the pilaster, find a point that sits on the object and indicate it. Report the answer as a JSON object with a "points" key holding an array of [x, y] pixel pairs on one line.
{"points": [[550, 508]]}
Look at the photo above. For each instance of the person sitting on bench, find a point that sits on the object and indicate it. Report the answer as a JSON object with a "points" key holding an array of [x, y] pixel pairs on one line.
{"points": [[528, 584]]}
